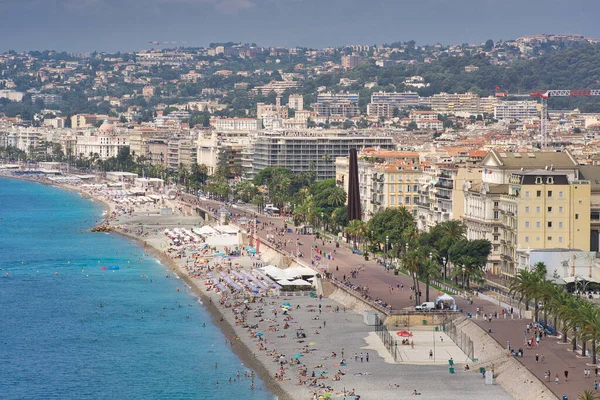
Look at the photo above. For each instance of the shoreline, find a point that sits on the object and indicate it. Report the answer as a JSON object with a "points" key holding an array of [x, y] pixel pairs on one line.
{"points": [[240, 348], [218, 317]]}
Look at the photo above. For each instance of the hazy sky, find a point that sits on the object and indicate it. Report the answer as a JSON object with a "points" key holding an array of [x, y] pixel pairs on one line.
{"points": [[110, 25]]}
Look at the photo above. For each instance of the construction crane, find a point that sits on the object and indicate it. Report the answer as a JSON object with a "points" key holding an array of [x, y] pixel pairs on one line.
{"points": [[543, 96]]}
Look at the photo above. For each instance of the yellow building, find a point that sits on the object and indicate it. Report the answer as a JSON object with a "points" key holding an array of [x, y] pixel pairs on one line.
{"points": [[553, 212]]}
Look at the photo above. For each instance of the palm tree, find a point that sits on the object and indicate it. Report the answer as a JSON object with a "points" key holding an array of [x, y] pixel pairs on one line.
{"points": [[429, 268], [523, 286], [452, 232], [356, 229], [337, 197], [587, 395]]}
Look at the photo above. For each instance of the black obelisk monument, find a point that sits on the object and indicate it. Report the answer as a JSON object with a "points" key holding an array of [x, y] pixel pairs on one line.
{"points": [[353, 190]]}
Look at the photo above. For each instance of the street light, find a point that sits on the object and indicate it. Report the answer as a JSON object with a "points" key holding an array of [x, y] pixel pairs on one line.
{"points": [[464, 269], [322, 223], [387, 241], [444, 265]]}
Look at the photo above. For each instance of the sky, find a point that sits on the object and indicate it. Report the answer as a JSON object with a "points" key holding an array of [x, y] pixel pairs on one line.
{"points": [[128, 25]]}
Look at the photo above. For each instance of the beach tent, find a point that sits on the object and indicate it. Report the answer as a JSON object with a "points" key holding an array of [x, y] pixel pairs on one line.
{"points": [[446, 298], [300, 282]]}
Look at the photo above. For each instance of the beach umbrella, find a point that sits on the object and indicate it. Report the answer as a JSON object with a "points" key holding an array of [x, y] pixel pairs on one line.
{"points": [[404, 334], [312, 343], [298, 355], [287, 304], [259, 334]]}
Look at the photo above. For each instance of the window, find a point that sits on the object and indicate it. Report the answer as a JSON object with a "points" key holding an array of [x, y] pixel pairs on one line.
{"points": [[560, 239], [549, 209], [526, 239], [538, 209], [526, 224], [496, 248], [549, 193], [527, 209], [407, 200], [576, 216], [392, 177], [560, 194], [550, 181], [415, 188], [560, 224], [496, 237], [538, 193], [496, 215], [495, 204], [416, 178], [495, 229], [527, 193], [560, 209], [538, 180], [392, 188], [392, 200], [399, 199], [408, 188], [537, 239], [537, 224], [399, 178], [549, 224], [549, 238]]}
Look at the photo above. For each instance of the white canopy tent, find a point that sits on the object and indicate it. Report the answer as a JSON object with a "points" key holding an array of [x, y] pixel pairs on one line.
{"points": [[446, 298]]}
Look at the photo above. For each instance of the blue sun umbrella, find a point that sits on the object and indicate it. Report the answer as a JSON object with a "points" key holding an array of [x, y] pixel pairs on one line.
{"points": [[298, 355], [287, 304], [258, 334]]}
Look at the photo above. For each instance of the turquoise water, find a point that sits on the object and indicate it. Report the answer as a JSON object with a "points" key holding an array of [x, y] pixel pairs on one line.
{"points": [[56, 342]]}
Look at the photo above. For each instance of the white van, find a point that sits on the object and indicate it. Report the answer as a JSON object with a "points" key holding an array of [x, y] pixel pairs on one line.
{"points": [[427, 306]]}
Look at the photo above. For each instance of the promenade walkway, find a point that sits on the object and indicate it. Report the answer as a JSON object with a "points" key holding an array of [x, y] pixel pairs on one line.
{"points": [[558, 356]]}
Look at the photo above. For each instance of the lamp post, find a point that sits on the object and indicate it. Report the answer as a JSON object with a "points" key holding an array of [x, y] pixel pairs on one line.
{"points": [[464, 269], [387, 241], [444, 265]]}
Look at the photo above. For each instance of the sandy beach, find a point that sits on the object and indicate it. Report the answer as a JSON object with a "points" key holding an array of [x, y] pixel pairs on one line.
{"points": [[302, 347]]}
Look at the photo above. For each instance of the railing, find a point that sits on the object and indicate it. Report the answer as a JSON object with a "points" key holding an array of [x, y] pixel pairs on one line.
{"points": [[390, 343], [461, 339]]}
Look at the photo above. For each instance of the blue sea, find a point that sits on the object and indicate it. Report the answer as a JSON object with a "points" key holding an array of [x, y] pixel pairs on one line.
{"points": [[56, 341]]}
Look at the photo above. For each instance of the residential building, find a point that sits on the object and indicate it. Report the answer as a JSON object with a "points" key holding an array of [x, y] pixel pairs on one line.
{"points": [[527, 200], [271, 110], [47, 99], [148, 91], [226, 147], [337, 104], [275, 86], [236, 124], [383, 103], [296, 102], [352, 61], [516, 110], [303, 150], [387, 179]]}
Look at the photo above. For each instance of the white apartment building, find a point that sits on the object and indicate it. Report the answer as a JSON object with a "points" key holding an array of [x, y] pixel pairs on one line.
{"points": [[236, 124], [296, 102], [516, 110]]}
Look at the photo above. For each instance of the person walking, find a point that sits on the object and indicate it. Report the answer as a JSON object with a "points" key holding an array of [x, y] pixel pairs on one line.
{"points": [[596, 386], [430, 354], [566, 376], [537, 358], [367, 357], [556, 378], [361, 357]]}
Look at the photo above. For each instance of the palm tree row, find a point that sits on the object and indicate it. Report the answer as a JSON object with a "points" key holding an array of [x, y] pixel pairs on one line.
{"points": [[577, 318]]}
